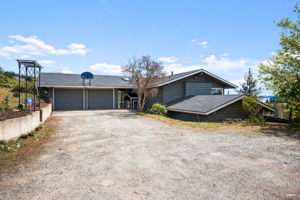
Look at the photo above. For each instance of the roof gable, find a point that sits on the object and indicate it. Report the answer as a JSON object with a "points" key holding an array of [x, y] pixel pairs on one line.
{"points": [[180, 76]]}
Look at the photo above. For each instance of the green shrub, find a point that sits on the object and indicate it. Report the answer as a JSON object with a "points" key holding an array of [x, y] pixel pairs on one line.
{"points": [[259, 120], [253, 110], [158, 109]]}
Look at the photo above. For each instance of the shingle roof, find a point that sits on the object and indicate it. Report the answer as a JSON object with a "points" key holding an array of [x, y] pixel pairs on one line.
{"points": [[203, 104], [60, 79], [176, 76]]}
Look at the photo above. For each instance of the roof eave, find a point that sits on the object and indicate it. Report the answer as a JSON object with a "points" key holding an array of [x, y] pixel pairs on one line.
{"points": [[220, 107], [104, 87], [187, 111], [211, 111]]}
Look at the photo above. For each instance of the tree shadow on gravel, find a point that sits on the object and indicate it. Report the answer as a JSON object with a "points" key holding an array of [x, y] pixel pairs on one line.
{"points": [[281, 131]]}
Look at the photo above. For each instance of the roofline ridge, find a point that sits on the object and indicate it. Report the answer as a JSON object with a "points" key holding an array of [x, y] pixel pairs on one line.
{"points": [[79, 74]]}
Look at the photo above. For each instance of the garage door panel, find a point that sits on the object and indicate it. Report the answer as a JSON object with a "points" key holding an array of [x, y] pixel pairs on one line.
{"points": [[68, 99], [100, 99]]}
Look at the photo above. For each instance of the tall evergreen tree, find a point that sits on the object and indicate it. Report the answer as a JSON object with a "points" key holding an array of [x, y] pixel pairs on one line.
{"points": [[249, 86]]}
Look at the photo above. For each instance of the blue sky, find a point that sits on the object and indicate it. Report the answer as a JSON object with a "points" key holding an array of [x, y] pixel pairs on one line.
{"points": [[224, 37]]}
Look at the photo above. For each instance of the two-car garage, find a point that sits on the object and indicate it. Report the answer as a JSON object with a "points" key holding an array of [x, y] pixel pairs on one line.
{"points": [[82, 99]]}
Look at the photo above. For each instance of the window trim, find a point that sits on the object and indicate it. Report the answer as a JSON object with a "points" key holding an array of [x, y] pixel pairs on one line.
{"points": [[215, 88]]}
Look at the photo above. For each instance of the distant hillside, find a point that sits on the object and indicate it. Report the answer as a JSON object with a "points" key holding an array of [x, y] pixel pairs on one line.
{"points": [[9, 87]]}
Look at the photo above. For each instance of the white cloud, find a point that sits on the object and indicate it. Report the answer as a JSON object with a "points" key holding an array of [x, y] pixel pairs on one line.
{"points": [[106, 68], [202, 43], [4, 54], [225, 54], [194, 40], [171, 59], [227, 64], [47, 63], [237, 81], [210, 59], [229, 68], [178, 68], [66, 70], [32, 46]]}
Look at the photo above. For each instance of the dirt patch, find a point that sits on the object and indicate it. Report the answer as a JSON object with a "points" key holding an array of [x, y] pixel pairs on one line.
{"points": [[16, 114], [12, 114]]}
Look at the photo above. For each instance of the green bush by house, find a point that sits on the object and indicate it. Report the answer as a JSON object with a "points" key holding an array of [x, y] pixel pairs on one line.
{"points": [[254, 110], [158, 109]]}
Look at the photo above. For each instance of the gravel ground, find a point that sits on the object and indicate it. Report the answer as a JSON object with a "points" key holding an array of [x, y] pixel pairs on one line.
{"points": [[120, 155]]}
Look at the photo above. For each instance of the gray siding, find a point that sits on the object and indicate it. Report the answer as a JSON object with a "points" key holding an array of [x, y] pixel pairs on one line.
{"points": [[186, 116], [177, 89], [100, 99], [197, 88], [232, 112], [173, 91], [68, 99]]}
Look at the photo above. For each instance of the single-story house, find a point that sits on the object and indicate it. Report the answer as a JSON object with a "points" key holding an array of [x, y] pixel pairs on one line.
{"points": [[196, 95]]}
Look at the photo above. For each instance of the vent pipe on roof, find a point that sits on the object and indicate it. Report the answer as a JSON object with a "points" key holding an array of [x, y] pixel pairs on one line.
{"points": [[171, 74]]}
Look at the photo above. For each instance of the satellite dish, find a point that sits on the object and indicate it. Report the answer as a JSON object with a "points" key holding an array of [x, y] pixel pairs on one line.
{"points": [[87, 75]]}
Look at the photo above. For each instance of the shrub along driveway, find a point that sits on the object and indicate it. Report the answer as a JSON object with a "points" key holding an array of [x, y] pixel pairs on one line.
{"points": [[120, 155]]}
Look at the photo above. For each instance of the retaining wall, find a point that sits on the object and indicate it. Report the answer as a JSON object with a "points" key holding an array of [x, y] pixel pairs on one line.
{"points": [[14, 128], [46, 112]]}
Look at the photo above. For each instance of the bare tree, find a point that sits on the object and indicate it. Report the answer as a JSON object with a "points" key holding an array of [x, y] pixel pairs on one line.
{"points": [[144, 74]]}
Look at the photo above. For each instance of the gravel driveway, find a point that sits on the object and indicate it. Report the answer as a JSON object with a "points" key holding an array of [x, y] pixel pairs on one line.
{"points": [[120, 155]]}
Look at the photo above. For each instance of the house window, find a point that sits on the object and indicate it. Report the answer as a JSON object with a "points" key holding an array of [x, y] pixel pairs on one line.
{"points": [[216, 91]]}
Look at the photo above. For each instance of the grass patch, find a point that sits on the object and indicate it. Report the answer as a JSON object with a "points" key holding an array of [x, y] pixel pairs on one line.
{"points": [[13, 152], [186, 123], [295, 126], [25, 148], [279, 130], [24, 140]]}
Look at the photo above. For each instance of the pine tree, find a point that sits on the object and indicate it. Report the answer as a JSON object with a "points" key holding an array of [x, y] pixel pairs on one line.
{"points": [[249, 86]]}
